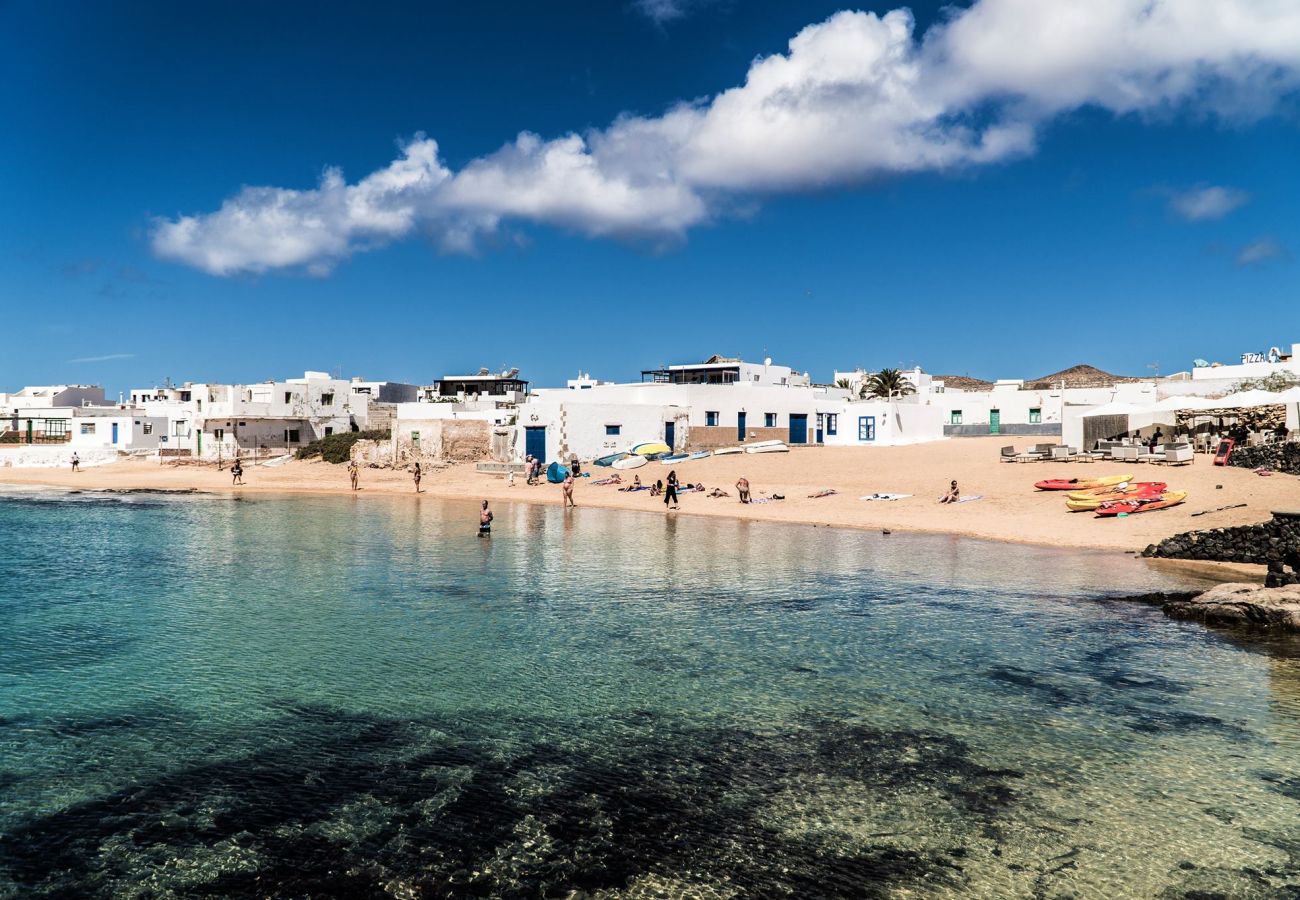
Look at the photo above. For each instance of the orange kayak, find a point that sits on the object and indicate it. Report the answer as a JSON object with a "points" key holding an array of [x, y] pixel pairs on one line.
{"points": [[1129, 507], [1079, 501], [1081, 484]]}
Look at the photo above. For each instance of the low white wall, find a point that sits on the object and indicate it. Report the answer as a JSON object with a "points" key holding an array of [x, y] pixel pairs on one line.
{"points": [[59, 456]]}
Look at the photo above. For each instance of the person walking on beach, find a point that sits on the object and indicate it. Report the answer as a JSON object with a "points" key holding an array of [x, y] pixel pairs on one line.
{"points": [[953, 494], [670, 495], [742, 488], [568, 490], [353, 473], [237, 472], [485, 521], [415, 473], [76, 462]]}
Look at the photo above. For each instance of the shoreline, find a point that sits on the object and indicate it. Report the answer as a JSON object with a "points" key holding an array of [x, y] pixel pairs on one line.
{"points": [[1010, 510]]}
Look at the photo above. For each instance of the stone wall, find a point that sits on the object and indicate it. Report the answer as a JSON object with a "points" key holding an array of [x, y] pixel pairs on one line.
{"points": [[1275, 543], [1278, 457], [711, 437]]}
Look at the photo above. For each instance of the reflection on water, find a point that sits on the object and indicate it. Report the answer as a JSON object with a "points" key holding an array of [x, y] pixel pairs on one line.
{"points": [[345, 697]]}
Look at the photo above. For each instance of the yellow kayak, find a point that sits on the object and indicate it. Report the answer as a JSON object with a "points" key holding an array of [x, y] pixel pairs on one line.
{"points": [[653, 448], [1141, 490], [1081, 484]]}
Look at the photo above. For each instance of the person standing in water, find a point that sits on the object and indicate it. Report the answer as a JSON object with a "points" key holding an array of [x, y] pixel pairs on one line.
{"points": [[670, 495], [485, 521], [415, 473], [353, 473], [742, 487], [237, 472], [76, 462], [568, 490]]}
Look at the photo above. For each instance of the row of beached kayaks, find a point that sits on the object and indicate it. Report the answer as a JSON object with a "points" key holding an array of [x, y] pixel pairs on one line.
{"points": [[641, 454], [1114, 495]]}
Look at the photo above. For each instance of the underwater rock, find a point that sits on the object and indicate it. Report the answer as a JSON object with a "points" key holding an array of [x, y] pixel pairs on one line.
{"points": [[1242, 604]]}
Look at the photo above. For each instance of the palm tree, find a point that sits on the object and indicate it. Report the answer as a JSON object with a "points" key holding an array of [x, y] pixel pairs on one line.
{"points": [[844, 384], [887, 383]]}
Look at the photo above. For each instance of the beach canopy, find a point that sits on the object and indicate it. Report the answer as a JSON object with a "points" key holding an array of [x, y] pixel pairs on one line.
{"points": [[1185, 403], [1117, 408], [1249, 399]]}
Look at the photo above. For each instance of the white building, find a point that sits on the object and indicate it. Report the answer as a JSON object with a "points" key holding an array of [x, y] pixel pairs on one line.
{"points": [[214, 420], [63, 395], [503, 387], [718, 403]]}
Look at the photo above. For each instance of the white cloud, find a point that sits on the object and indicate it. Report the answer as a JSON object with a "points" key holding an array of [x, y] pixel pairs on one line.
{"points": [[1260, 251], [107, 357], [661, 11], [1206, 202], [856, 97]]}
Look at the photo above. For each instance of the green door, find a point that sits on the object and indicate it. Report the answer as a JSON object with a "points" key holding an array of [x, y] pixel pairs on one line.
{"points": [[995, 421]]}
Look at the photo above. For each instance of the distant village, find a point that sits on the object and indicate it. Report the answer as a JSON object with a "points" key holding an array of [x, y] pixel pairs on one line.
{"points": [[500, 416]]}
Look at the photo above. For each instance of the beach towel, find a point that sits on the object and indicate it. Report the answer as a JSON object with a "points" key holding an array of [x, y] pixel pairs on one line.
{"points": [[885, 497], [768, 499], [639, 487], [970, 498]]}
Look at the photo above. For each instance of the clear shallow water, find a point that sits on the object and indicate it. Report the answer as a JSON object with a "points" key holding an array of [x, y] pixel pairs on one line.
{"points": [[329, 697]]}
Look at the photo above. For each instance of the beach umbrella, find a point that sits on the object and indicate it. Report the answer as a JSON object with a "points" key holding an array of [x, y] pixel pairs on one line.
{"points": [[1116, 408], [1249, 399]]}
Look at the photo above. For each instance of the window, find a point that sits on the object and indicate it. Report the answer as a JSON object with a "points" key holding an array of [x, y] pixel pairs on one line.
{"points": [[185, 396], [769, 420], [1035, 416], [148, 427], [361, 390], [832, 423], [710, 418], [415, 437], [87, 427], [288, 397], [327, 399], [179, 429], [866, 428], [291, 435], [218, 433], [242, 424], [954, 417], [611, 430], [329, 429]]}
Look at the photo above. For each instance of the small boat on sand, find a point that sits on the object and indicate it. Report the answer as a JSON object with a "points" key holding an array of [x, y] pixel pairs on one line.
{"points": [[630, 462], [1129, 507], [768, 447], [1081, 484]]}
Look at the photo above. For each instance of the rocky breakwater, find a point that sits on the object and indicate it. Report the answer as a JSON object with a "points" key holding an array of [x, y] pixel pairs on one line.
{"points": [[1278, 457], [1275, 543], [1235, 605]]}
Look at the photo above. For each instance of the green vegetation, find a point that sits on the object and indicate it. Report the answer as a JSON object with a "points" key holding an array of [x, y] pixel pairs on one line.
{"points": [[1278, 381], [337, 448], [887, 383]]}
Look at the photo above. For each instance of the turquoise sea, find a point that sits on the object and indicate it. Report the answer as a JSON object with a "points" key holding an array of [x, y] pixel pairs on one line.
{"points": [[358, 697]]}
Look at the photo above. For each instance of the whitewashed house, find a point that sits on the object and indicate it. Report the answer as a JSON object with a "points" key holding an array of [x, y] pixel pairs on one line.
{"points": [[215, 420]]}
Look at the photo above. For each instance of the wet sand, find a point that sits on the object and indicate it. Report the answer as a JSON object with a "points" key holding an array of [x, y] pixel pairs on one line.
{"points": [[1011, 510]]}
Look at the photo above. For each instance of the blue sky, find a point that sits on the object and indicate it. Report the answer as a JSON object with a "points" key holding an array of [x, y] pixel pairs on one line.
{"points": [[1124, 228]]}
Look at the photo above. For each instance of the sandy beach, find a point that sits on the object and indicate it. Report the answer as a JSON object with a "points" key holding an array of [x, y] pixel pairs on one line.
{"points": [[1010, 508]]}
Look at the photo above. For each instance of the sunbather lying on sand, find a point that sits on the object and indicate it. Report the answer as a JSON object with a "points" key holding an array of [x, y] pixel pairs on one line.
{"points": [[825, 492], [718, 492]]}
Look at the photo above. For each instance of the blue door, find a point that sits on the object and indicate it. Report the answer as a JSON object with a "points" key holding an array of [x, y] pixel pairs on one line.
{"points": [[866, 428], [114, 432], [670, 435], [798, 428], [740, 426], [535, 442], [821, 435]]}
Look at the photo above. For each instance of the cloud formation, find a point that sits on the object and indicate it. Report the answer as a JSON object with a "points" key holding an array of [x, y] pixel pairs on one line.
{"points": [[856, 97], [1260, 251], [107, 357], [1206, 202]]}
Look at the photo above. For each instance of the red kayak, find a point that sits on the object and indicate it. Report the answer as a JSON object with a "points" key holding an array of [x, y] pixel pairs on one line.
{"points": [[1129, 507]]}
